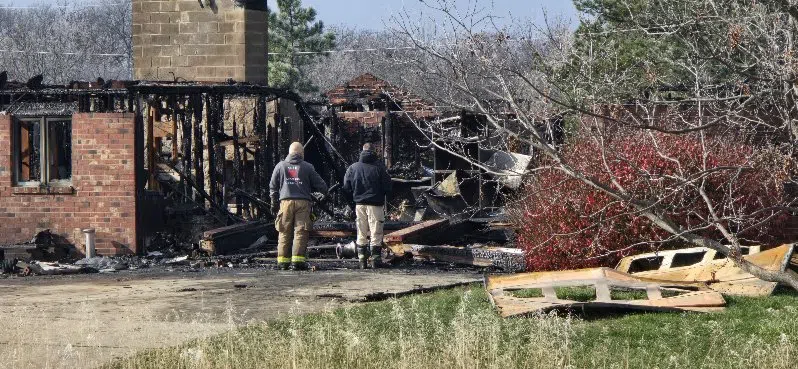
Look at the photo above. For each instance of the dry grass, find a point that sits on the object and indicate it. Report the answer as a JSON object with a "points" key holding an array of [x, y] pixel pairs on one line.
{"points": [[459, 329], [449, 329]]}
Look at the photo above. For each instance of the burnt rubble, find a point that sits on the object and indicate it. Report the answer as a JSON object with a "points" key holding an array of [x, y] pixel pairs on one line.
{"points": [[205, 152]]}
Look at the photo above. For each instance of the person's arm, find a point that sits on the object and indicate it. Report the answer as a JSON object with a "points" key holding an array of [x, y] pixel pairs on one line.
{"points": [[275, 183], [274, 189], [347, 185]]}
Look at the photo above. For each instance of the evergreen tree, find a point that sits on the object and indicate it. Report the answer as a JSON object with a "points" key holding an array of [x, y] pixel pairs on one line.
{"points": [[294, 29]]}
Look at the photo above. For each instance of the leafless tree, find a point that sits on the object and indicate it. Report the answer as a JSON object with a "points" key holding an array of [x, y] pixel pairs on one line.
{"points": [[67, 40], [361, 51], [733, 77]]}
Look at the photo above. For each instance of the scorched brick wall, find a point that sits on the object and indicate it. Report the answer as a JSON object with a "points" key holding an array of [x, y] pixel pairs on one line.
{"points": [[102, 195]]}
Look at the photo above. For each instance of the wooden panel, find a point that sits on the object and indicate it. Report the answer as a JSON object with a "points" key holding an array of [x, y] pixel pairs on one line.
{"points": [[724, 276], [689, 296]]}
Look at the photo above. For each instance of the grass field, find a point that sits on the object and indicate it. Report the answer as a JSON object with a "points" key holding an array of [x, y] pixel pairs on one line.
{"points": [[460, 329]]}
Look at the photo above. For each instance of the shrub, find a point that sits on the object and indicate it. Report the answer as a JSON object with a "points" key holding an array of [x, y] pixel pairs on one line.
{"points": [[563, 223]]}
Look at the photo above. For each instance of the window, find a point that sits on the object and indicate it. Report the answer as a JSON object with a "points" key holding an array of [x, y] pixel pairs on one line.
{"points": [[43, 151]]}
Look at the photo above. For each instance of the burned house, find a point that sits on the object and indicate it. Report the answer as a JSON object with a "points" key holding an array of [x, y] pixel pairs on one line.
{"points": [[111, 155], [369, 109], [196, 136]]}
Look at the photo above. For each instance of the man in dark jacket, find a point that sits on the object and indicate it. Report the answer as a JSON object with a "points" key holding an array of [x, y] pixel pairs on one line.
{"points": [[293, 181], [369, 183]]}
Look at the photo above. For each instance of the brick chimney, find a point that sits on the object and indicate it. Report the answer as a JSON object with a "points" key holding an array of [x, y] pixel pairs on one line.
{"points": [[198, 40]]}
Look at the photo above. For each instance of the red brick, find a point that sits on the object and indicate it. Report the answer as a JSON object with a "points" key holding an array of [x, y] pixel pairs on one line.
{"points": [[96, 187]]}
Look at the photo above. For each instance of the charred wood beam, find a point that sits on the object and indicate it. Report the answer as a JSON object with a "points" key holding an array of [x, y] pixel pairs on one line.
{"points": [[335, 158], [220, 152], [210, 133], [244, 177], [262, 205], [151, 181], [237, 167], [196, 107], [186, 121], [173, 101], [387, 138], [205, 196], [265, 159]]}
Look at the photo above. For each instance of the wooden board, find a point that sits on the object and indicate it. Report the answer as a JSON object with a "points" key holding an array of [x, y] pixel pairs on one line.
{"points": [[416, 232], [682, 296], [722, 275]]}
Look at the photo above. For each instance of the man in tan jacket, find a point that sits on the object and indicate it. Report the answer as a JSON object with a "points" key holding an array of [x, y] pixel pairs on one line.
{"points": [[291, 187]]}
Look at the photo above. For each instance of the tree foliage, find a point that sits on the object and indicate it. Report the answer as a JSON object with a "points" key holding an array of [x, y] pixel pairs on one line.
{"points": [[726, 73], [67, 41], [564, 224], [294, 31]]}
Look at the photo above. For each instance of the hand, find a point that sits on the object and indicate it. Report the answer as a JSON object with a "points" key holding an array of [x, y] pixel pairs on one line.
{"points": [[275, 208], [320, 197]]}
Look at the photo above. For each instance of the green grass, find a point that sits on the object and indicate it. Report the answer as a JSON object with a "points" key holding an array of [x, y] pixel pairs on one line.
{"points": [[588, 293], [460, 329]]}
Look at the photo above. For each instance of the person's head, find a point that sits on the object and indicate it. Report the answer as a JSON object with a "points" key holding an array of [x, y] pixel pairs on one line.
{"points": [[367, 147], [296, 148]]}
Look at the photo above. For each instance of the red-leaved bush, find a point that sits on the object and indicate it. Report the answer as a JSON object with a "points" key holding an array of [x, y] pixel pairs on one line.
{"points": [[563, 223]]}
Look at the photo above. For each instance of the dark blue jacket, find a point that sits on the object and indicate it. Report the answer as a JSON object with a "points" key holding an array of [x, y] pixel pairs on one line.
{"points": [[367, 180]]}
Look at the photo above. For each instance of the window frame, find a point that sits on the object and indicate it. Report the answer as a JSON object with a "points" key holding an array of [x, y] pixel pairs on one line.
{"points": [[44, 161]]}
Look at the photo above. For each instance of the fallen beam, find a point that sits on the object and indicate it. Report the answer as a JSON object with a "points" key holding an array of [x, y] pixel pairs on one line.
{"points": [[417, 232]]}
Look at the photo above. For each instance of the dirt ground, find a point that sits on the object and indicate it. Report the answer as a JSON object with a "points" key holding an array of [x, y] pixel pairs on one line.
{"points": [[86, 320]]}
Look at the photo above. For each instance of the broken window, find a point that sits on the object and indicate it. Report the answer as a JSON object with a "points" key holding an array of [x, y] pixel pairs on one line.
{"points": [[42, 150], [687, 259], [646, 264], [28, 149]]}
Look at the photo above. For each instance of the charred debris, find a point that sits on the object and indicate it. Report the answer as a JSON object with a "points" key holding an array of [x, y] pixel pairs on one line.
{"points": [[205, 152]]}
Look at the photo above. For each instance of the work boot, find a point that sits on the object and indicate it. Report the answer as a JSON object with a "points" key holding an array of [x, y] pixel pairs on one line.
{"points": [[363, 256], [283, 266], [375, 261], [299, 265]]}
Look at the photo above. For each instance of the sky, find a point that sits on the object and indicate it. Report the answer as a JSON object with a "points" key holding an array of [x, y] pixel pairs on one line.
{"points": [[375, 14]]}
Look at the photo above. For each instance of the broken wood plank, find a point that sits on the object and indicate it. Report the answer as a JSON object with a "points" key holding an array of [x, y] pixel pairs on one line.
{"points": [[721, 274], [506, 292], [417, 232]]}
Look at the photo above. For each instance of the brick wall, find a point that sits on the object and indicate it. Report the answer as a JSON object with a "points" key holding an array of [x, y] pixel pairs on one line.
{"points": [[367, 86], [103, 193], [181, 39]]}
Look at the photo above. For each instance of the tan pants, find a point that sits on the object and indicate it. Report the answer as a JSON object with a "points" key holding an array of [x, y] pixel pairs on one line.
{"points": [[370, 220], [294, 224]]}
